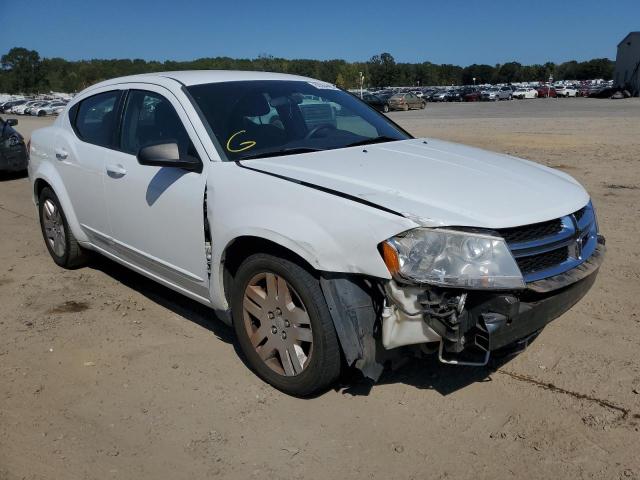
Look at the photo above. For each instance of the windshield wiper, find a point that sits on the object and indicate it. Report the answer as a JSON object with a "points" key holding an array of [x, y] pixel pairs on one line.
{"points": [[279, 153], [370, 141]]}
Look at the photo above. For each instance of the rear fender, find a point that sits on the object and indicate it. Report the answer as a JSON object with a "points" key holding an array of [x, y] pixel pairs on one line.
{"points": [[47, 173]]}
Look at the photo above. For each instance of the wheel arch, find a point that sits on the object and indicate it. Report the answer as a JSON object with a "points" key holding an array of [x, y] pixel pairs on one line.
{"points": [[243, 246], [48, 177]]}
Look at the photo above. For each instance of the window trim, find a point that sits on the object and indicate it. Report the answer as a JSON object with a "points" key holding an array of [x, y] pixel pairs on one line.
{"points": [[73, 118], [122, 112]]}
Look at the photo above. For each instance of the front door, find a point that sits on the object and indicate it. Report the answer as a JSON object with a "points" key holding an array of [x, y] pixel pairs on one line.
{"points": [[156, 213]]}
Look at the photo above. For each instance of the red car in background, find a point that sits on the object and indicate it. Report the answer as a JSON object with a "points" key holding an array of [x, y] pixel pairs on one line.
{"points": [[546, 91], [471, 94]]}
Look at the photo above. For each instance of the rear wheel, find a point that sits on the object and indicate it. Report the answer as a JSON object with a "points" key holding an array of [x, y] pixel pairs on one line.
{"points": [[61, 244], [283, 325], [385, 109]]}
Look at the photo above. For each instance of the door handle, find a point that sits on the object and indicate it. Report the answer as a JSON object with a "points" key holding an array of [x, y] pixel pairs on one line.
{"points": [[61, 153], [116, 170]]}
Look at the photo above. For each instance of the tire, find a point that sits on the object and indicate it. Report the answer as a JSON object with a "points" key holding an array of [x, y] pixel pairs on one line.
{"points": [[41, 113], [423, 105], [317, 361], [405, 107], [68, 253], [385, 109]]}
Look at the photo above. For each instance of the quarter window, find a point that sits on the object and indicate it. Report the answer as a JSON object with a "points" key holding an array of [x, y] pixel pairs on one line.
{"points": [[150, 119], [95, 121]]}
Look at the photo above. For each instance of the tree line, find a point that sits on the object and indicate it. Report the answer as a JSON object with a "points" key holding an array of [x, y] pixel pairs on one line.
{"points": [[24, 71]]}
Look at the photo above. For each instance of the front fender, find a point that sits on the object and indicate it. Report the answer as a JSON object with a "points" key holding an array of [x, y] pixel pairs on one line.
{"points": [[331, 233]]}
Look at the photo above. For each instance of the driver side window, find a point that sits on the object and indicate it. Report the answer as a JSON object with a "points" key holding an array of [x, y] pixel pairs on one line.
{"points": [[150, 119]]}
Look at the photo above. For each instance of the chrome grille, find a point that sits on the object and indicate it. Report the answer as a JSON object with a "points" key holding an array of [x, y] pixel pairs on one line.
{"points": [[549, 248]]}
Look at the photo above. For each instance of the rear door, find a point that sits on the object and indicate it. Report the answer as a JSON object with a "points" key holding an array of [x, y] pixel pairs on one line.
{"points": [[156, 213], [80, 153]]}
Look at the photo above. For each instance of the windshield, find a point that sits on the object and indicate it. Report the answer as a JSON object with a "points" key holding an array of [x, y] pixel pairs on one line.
{"points": [[253, 119]]}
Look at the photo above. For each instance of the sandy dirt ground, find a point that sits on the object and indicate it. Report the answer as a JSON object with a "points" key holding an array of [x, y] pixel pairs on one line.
{"points": [[104, 375]]}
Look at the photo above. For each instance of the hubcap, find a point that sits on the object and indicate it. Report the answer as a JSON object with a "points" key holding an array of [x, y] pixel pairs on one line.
{"points": [[277, 323], [54, 228]]}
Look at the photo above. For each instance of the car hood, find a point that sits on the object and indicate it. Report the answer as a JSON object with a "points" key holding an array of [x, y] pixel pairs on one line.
{"points": [[438, 183]]}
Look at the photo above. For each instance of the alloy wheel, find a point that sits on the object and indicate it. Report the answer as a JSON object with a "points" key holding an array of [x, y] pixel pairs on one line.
{"points": [[54, 228], [277, 324]]}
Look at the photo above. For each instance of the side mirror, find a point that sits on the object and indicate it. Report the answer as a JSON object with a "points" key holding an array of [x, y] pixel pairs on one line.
{"points": [[12, 122], [168, 155]]}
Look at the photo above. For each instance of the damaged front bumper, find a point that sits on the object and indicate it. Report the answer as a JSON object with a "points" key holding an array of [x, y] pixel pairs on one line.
{"points": [[471, 324], [465, 326]]}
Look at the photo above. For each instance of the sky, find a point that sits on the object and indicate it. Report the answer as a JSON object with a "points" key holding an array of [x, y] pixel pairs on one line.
{"points": [[459, 32]]}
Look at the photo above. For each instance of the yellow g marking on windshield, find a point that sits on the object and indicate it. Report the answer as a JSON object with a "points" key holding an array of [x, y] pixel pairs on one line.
{"points": [[246, 145]]}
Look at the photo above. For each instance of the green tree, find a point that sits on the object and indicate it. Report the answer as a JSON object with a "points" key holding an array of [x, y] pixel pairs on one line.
{"points": [[24, 70], [382, 70]]}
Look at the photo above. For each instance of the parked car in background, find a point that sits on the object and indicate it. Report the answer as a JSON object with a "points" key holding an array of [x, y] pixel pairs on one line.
{"points": [[13, 152], [566, 91], [406, 101], [49, 108], [453, 95], [471, 94], [27, 111], [376, 102], [439, 96], [525, 92], [546, 91], [22, 107], [8, 106], [505, 93]]}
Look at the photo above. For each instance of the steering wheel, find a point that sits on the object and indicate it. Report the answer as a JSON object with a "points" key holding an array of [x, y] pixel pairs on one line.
{"points": [[316, 129]]}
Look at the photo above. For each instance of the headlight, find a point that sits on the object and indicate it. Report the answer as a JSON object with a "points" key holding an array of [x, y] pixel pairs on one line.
{"points": [[451, 258]]}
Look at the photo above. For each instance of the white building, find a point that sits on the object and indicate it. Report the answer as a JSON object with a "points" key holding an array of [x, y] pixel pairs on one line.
{"points": [[628, 63]]}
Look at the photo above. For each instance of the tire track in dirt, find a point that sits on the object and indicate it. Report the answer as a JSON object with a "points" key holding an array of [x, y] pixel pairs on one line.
{"points": [[624, 412]]}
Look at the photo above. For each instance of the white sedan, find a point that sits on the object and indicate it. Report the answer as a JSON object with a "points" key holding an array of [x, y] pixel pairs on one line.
{"points": [[50, 108], [525, 92], [326, 240], [566, 91]]}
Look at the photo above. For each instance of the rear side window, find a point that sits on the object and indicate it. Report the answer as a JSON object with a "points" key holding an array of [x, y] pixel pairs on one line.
{"points": [[95, 120], [150, 119]]}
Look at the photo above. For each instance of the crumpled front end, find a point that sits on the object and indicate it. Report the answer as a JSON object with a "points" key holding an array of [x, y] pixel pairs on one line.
{"points": [[558, 260], [469, 325]]}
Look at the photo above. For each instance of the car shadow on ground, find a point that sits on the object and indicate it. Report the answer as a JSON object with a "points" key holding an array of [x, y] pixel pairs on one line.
{"points": [[177, 303], [423, 373], [8, 176]]}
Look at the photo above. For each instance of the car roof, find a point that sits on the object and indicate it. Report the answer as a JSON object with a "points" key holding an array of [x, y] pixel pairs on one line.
{"points": [[199, 77]]}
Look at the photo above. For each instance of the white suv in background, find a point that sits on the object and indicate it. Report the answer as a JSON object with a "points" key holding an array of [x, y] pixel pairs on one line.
{"points": [[322, 231]]}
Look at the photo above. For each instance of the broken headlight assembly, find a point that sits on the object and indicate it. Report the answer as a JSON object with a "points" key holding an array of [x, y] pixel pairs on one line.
{"points": [[451, 258]]}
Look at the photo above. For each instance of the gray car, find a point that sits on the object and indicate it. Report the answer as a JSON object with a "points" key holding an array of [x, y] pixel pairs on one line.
{"points": [[406, 101], [497, 93]]}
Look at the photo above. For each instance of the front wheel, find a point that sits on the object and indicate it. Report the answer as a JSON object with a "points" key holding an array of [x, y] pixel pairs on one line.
{"points": [[283, 325], [385, 109], [60, 242]]}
